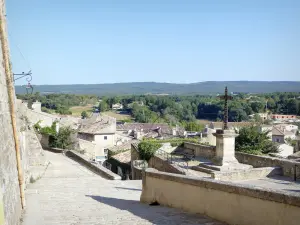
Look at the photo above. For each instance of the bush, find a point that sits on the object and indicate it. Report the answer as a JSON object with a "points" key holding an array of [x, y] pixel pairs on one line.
{"points": [[147, 149], [62, 139], [251, 141]]}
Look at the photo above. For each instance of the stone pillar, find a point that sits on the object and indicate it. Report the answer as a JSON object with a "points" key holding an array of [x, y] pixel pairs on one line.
{"points": [[225, 151], [225, 147]]}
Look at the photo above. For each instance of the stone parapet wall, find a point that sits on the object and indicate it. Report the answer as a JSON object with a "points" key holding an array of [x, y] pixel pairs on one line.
{"points": [[34, 117], [201, 150], [221, 200], [251, 174], [137, 169], [288, 166], [10, 192], [159, 163], [88, 147], [98, 169]]}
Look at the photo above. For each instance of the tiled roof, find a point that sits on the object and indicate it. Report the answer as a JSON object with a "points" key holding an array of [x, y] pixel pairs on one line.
{"points": [[280, 131], [277, 131], [143, 126], [125, 146], [95, 125], [123, 157]]}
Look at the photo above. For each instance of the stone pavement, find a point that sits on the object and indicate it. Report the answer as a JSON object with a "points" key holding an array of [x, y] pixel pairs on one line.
{"points": [[69, 194]]}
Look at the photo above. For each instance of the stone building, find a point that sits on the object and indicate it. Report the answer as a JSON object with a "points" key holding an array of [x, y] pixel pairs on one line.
{"points": [[282, 132], [100, 131]]}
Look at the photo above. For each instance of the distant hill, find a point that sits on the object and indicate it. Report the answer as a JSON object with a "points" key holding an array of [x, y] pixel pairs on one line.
{"points": [[209, 87]]}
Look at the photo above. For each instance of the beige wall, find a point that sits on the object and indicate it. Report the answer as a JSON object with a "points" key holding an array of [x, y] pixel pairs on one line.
{"points": [[201, 150], [288, 166], [220, 200], [88, 147]]}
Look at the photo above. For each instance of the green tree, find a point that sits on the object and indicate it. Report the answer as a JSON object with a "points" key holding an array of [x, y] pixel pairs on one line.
{"points": [[62, 139], [147, 149], [251, 140], [84, 114], [103, 106], [193, 126]]}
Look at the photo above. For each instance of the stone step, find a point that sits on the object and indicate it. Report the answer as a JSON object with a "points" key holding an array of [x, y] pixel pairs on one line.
{"points": [[210, 166], [202, 169]]}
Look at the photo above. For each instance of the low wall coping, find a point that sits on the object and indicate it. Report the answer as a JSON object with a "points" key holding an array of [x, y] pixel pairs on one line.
{"points": [[101, 170], [55, 150], [199, 144], [263, 157], [229, 187]]}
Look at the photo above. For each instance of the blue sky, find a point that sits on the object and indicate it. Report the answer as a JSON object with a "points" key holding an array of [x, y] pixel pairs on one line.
{"points": [[109, 41]]}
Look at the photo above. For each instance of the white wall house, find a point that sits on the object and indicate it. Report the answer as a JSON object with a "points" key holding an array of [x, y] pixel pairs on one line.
{"points": [[117, 106], [101, 132]]}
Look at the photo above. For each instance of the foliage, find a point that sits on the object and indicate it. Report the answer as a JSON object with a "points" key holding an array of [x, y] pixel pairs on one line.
{"points": [[147, 149], [208, 87], [46, 110], [173, 141], [103, 106], [84, 114], [62, 139], [59, 102], [178, 109], [63, 111], [37, 126], [46, 130], [193, 126], [291, 142], [251, 140]]}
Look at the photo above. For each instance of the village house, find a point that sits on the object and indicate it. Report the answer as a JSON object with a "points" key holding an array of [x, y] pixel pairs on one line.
{"points": [[282, 132], [263, 116], [117, 106], [283, 117], [99, 130], [150, 130]]}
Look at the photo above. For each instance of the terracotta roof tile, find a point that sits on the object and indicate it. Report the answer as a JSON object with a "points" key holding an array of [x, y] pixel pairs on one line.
{"points": [[123, 157]]}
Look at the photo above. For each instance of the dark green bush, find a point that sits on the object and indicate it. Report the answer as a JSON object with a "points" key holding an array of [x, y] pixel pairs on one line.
{"points": [[147, 149]]}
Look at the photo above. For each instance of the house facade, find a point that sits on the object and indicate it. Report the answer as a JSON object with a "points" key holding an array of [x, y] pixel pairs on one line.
{"points": [[283, 117], [101, 132], [282, 132]]}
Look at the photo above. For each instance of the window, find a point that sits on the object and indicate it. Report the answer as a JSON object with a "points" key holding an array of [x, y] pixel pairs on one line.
{"points": [[277, 140], [105, 137]]}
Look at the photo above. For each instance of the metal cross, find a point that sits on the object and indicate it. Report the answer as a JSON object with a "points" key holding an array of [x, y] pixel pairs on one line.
{"points": [[226, 97]]}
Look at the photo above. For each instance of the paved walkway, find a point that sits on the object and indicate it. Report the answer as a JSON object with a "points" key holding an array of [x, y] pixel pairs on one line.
{"points": [[70, 194]]}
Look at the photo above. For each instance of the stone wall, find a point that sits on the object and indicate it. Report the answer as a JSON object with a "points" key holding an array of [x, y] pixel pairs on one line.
{"points": [[251, 174], [10, 204], [88, 147], [34, 117], [157, 162], [32, 162], [9, 187], [98, 169], [224, 201], [201, 150], [137, 169], [288, 166]]}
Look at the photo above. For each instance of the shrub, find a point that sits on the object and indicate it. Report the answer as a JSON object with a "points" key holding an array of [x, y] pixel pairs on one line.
{"points": [[147, 149], [251, 141], [62, 139]]}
